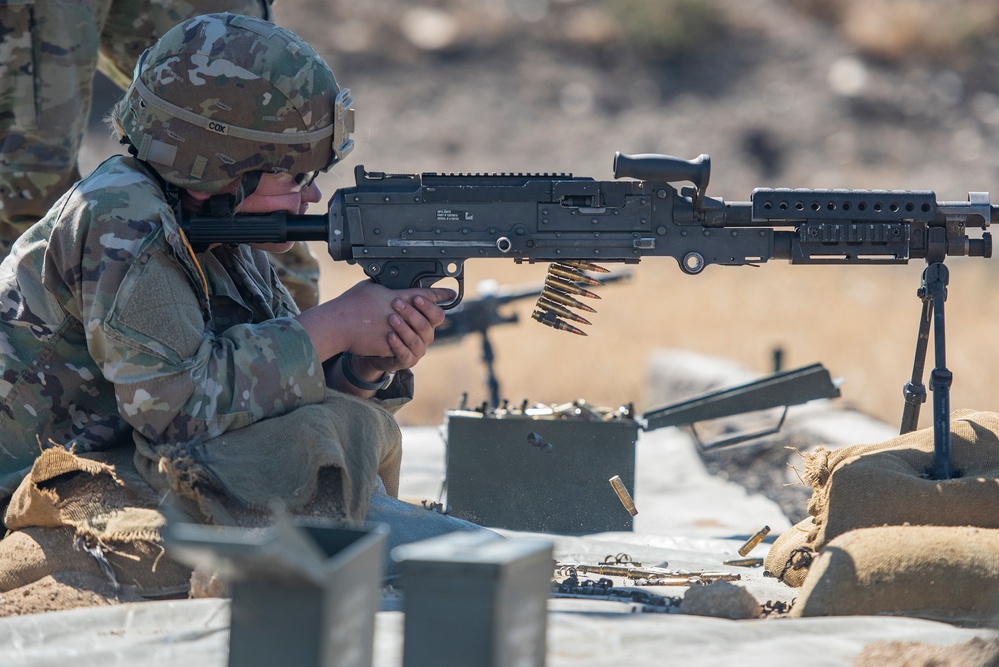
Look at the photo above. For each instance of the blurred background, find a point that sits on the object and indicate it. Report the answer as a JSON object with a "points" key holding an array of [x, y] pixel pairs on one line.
{"points": [[874, 94]]}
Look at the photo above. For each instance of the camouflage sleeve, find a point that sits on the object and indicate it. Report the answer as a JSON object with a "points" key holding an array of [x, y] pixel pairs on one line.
{"points": [[175, 382], [47, 53]]}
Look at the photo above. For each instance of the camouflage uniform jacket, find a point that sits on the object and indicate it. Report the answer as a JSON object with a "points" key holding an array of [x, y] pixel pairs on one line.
{"points": [[110, 322]]}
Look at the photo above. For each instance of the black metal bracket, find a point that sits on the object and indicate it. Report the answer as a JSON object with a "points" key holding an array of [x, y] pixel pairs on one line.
{"points": [[780, 390]]}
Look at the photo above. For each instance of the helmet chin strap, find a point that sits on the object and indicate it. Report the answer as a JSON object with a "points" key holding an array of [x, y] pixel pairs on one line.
{"points": [[220, 206], [224, 205]]}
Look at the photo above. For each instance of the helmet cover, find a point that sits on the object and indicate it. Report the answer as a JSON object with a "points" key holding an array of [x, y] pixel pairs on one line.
{"points": [[220, 95]]}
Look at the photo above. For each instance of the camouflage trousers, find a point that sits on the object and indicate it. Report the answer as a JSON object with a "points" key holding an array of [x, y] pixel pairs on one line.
{"points": [[49, 53]]}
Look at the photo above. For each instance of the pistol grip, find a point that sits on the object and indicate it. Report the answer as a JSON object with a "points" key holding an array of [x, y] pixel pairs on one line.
{"points": [[402, 274]]}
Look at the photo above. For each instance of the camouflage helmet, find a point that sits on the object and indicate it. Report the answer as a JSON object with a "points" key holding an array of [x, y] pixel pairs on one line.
{"points": [[221, 95]]}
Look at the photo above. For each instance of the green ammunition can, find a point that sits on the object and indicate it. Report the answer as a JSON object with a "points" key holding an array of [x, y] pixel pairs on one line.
{"points": [[475, 599], [540, 473]]}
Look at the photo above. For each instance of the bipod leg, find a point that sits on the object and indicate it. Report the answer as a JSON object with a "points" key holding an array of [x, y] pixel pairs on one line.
{"points": [[933, 293], [914, 391], [936, 278]]}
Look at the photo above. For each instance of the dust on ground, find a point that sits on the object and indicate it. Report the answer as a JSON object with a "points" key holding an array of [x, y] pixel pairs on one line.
{"points": [[977, 652], [65, 590]]}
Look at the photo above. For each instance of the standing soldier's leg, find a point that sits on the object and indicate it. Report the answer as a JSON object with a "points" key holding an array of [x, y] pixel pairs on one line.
{"points": [[134, 25], [48, 53], [299, 273]]}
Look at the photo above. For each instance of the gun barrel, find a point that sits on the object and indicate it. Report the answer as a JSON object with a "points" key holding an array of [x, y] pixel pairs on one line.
{"points": [[278, 227], [307, 228]]}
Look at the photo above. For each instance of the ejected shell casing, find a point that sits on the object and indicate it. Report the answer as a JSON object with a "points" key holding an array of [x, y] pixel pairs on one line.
{"points": [[583, 265], [560, 310], [559, 298], [754, 540], [548, 318], [571, 274], [569, 288], [623, 495], [708, 577]]}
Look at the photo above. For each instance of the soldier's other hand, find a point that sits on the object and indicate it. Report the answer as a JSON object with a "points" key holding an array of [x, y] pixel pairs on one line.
{"points": [[370, 320], [413, 325]]}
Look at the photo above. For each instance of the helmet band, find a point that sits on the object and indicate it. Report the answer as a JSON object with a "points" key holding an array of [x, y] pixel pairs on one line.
{"points": [[229, 130]]}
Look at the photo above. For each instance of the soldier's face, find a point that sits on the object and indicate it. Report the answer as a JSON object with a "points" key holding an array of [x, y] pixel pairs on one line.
{"points": [[281, 192]]}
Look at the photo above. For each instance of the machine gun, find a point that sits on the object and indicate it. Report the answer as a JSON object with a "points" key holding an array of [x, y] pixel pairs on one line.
{"points": [[409, 230]]}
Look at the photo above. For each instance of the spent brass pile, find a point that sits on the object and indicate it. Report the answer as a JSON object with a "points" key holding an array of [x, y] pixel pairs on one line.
{"points": [[565, 281]]}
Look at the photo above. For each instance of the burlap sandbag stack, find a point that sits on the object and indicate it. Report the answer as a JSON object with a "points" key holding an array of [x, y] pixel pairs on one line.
{"points": [[97, 517], [883, 538], [91, 521]]}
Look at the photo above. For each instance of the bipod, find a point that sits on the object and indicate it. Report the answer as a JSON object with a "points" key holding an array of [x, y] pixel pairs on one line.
{"points": [[933, 293]]}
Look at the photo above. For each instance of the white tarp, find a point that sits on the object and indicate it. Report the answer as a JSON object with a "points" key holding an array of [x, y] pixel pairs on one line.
{"points": [[685, 517]]}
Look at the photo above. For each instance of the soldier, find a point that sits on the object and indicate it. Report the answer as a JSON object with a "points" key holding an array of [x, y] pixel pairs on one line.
{"points": [[115, 332], [49, 51]]}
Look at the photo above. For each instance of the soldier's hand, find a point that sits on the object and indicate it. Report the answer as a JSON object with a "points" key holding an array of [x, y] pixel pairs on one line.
{"points": [[370, 320], [413, 325]]}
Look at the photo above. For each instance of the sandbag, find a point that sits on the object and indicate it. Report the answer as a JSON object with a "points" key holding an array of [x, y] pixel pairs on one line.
{"points": [[61, 591], [126, 571], [863, 486], [886, 484], [790, 556], [941, 573], [89, 514]]}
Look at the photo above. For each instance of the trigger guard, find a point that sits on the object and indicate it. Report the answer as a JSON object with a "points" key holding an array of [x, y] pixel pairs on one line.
{"points": [[456, 300], [447, 305]]}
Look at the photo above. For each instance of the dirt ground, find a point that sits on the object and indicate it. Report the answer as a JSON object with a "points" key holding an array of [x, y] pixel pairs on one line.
{"points": [[975, 653]]}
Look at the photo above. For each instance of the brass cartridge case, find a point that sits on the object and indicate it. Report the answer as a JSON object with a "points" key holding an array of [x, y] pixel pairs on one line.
{"points": [[753, 541], [583, 265], [623, 495], [568, 273], [548, 318]]}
